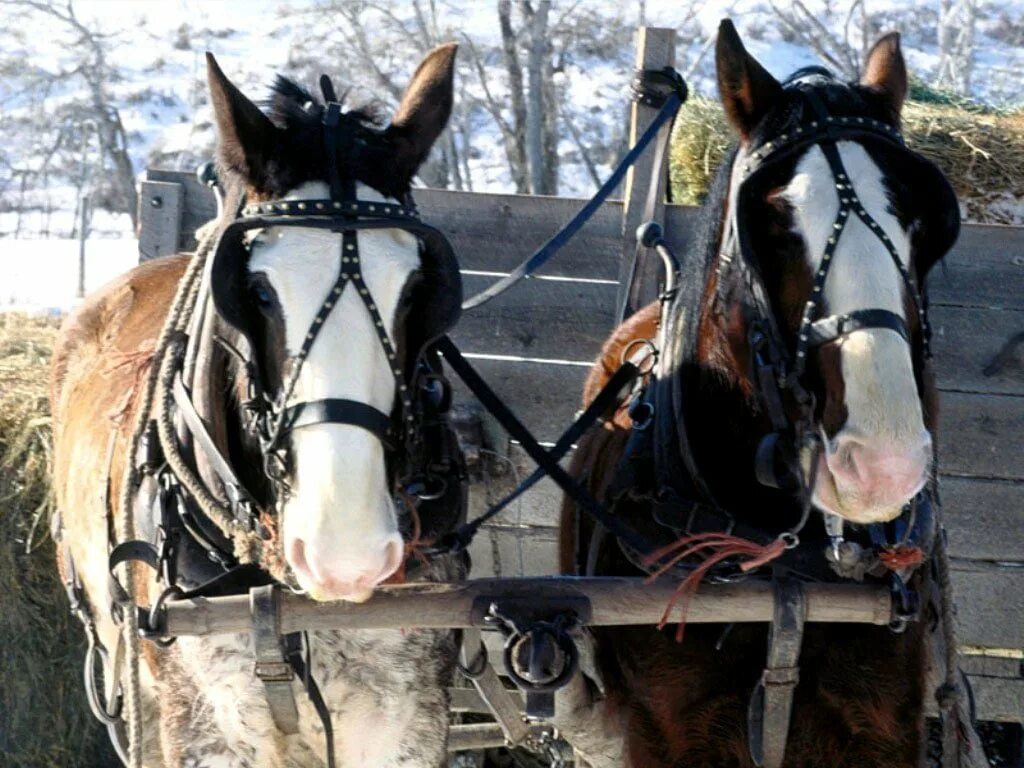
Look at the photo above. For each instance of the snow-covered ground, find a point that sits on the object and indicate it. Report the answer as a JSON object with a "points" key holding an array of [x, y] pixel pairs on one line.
{"points": [[159, 46], [41, 276]]}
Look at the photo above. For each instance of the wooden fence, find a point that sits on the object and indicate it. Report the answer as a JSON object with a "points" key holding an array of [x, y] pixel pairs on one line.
{"points": [[535, 344]]}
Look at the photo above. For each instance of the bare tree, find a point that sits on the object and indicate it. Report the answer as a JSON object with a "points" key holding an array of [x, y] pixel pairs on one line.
{"points": [[842, 46], [90, 67], [956, 31]]}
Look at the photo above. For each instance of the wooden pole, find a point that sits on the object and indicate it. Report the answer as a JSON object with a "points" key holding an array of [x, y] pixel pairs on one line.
{"points": [[613, 602], [655, 49]]}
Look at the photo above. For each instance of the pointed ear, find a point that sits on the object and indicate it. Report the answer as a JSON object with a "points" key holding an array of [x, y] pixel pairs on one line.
{"points": [[425, 108], [746, 88], [885, 71], [245, 136]]}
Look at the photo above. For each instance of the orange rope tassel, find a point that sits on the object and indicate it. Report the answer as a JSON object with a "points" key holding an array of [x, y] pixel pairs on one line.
{"points": [[714, 547], [413, 547], [900, 558]]}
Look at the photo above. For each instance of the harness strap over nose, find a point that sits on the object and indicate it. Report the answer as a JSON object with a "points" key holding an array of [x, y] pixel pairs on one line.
{"points": [[836, 326], [339, 411]]}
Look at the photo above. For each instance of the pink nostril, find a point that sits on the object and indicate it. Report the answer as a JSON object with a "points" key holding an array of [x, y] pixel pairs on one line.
{"points": [[297, 557]]}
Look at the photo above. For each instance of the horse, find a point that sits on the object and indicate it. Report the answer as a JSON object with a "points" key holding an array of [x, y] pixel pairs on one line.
{"points": [[786, 432], [306, 444]]}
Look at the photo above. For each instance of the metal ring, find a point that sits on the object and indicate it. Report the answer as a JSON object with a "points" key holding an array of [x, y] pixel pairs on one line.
{"points": [[476, 667], [107, 713], [154, 616], [427, 487], [652, 355], [790, 539]]}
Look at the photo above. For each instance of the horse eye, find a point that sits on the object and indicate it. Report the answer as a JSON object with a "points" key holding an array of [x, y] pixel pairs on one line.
{"points": [[262, 294]]}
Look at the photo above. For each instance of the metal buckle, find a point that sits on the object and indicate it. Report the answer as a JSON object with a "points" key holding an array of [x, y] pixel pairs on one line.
{"points": [[273, 671]]}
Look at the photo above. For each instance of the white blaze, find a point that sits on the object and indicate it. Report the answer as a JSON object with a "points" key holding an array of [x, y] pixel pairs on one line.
{"points": [[882, 449], [340, 507]]}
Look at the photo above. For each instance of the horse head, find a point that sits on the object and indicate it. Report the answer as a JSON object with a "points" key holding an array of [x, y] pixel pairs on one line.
{"points": [[334, 359], [815, 309]]}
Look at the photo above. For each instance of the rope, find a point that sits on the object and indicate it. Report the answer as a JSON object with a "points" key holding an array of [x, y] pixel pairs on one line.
{"points": [[949, 695], [187, 289]]}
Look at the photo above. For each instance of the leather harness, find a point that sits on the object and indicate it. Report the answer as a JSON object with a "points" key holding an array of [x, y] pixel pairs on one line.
{"points": [[191, 553]]}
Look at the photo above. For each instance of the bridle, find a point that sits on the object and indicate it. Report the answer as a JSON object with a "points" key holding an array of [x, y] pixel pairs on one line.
{"points": [[778, 368]]}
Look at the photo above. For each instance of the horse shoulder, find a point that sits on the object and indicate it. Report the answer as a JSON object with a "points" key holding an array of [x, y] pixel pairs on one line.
{"points": [[120, 319], [599, 450]]}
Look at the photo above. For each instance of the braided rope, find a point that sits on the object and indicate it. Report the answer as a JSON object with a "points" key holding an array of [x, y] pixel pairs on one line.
{"points": [[180, 307]]}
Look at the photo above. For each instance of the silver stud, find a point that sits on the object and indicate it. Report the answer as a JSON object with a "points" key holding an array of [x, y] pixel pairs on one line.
{"points": [[817, 289], [784, 137], [814, 123], [350, 247], [319, 206], [302, 206], [372, 208], [337, 291], [363, 291], [372, 307], [309, 337], [337, 205], [860, 120], [402, 388], [355, 206], [357, 276]]}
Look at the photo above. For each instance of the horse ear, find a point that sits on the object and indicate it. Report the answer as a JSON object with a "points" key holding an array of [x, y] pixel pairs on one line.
{"points": [[746, 88], [885, 71], [244, 133], [425, 108]]}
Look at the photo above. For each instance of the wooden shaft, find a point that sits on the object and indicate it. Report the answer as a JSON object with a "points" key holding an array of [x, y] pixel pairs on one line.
{"points": [[613, 602]]}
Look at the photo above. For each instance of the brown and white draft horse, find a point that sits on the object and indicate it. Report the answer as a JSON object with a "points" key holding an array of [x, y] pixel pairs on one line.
{"points": [[869, 403], [330, 520]]}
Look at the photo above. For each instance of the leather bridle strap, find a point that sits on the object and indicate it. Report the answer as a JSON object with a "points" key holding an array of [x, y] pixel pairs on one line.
{"points": [[836, 326], [339, 411]]}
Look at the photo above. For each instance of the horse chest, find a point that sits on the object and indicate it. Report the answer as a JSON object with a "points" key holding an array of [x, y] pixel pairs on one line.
{"points": [[384, 690]]}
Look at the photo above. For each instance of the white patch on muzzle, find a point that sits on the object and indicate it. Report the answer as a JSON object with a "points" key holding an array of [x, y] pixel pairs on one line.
{"points": [[340, 527], [880, 457]]}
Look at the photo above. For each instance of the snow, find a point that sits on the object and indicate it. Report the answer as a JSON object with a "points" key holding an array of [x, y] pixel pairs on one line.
{"points": [[41, 276], [163, 100]]}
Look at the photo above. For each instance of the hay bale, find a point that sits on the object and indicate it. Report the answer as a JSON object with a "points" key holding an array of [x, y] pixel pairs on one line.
{"points": [[980, 150], [43, 712]]}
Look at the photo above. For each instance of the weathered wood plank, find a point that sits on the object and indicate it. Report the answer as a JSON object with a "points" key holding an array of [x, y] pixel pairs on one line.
{"points": [[647, 180], [990, 604], [496, 232], [199, 204], [984, 518], [981, 435], [985, 269], [570, 320], [966, 340], [160, 213]]}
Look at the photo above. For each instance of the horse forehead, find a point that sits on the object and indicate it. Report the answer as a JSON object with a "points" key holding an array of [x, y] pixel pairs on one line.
{"points": [[303, 264]]}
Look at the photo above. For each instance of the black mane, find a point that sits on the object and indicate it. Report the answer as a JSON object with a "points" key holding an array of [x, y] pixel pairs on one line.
{"points": [[365, 151]]}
